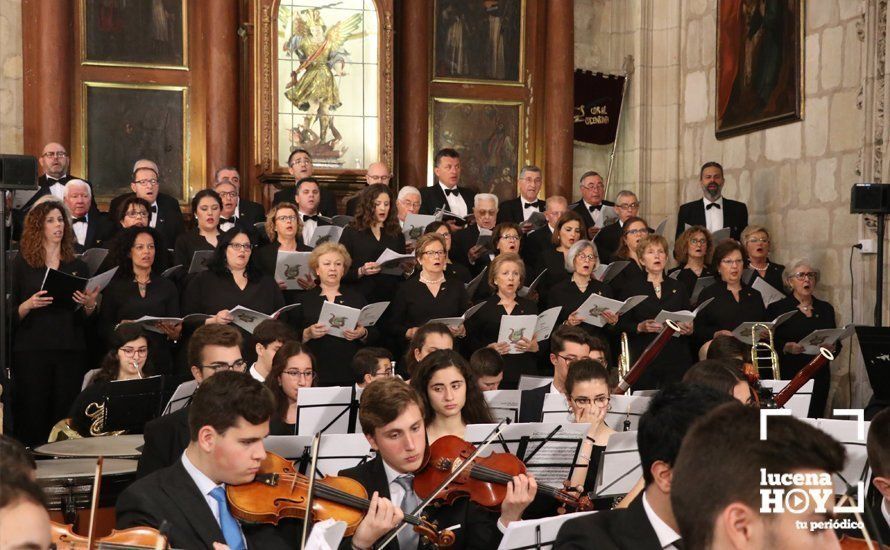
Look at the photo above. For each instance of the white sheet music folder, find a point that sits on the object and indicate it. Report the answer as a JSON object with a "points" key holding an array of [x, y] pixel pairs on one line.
{"points": [[535, 533], [619, 468]]}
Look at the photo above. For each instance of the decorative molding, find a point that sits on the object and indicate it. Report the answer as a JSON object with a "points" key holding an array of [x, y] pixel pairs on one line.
{"points": [[267, 126], [388, 119]]}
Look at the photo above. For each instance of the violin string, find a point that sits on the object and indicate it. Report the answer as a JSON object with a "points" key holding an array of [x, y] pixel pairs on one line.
{"points": [[501, 477]]}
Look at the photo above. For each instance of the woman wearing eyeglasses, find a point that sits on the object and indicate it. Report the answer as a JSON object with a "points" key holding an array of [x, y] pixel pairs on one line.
{"points": [[588, 396], [452, 270], [138, 290], [756, 240], [430, 295], [206, 206], [567, 232], [692, 251], [292, 368], [127, 359], [632, 232], [734, 301], [285, 233], [801, 278], [506, 239], [329, 262], [451, 397], [132, 212]]}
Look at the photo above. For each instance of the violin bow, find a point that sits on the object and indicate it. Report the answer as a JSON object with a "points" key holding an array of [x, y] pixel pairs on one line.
{"points": [[310, 490], [454, 475], [94, 505]]}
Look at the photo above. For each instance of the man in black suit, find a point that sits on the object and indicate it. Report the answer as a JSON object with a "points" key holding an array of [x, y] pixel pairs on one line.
{"points": [[592, 205], [607, 241], [539, 240], [464, 249], [407, 202], [567, 344], [445, 192], [211, 349], [91, 228], [392, 421], [736, 469], [377, 172], [299, 165], [648, 523], [235, 210], [308, 194], [520, 209], [165, 214], [713, 211]]}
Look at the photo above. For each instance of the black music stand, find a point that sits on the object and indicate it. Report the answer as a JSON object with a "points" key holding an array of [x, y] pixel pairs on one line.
{"points": [[129, 404], [874, 342]]}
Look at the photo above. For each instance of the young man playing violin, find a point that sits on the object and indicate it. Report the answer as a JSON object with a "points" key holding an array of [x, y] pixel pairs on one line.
{"points": [[228, 419], [392, 420]]}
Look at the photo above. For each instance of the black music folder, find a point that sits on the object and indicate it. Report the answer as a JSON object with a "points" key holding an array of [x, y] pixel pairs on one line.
{"points": [[61, 286]]}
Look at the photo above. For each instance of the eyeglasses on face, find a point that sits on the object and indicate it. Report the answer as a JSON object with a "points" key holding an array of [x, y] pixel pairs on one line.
{"points": [[642, 231], [803, 275], [727, 261], [384, 372], [146, 183], [698, 241], [301, 162], [300, 373], [131, 352], [436, 253], [55, 154], [602, 401], [240, 246], [136, 214], [228, 194], [286, 218], [223, 366], [567, 358], [628, 206], [589, 257], [755, 240], [510, 237]]}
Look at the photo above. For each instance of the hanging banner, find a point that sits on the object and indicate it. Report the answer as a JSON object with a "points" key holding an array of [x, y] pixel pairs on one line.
{"points": [[597, 104]]}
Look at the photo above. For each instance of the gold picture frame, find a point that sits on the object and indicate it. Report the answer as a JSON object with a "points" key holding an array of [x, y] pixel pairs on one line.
{"points": [[157, 25], [490, 137], [115, 129], [441, 34]]}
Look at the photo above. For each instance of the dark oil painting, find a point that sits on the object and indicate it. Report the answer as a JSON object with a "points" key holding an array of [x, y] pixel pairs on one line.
{"points": [[478, 39], [149, 32], [758, 65]]}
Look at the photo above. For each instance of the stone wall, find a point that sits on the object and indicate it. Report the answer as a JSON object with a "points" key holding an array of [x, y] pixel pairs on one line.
{"points": [[11, 110], [795, 178]]}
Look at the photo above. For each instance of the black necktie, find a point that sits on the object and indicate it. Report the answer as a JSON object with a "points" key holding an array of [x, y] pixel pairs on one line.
{"points": [[50, 182], [451, 192], [79, 220], [595, 208], [232, 220], [712, 205], [307, 217], [530, 205]]}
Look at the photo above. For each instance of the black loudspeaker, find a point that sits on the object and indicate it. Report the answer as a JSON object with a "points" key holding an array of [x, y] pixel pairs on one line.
{"points": [[18, 172], [870, 198]]}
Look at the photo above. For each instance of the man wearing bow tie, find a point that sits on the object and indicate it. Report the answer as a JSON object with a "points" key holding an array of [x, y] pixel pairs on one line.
{"points": [[235, 210], [299, 165], [165, 214], [445, 192], [308, 195], [713, 211], [590, 207], [627, 205], [90, 228], [520, 209]]}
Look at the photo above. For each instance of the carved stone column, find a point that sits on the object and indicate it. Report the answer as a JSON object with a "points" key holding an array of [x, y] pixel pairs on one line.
{"points": [[413, 92], [48, 57], [221, 62], [558, 91]]}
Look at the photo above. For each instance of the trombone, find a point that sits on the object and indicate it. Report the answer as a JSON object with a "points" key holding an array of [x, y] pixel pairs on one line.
{"points": [[624, 357], [764, 352]]}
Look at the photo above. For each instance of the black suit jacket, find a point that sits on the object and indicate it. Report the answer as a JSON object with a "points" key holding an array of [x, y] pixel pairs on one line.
{"points": [[99, 228], [43, 185], [735, 216], [461, 243], [250, 212], [512, 210], [478, 529], [352, 204], [432, 198], [531, 404], [169, 215], [327, 203], [166, 437], [582, 211], [171, 495], [627, 529], [607, 242], [533, 248]]}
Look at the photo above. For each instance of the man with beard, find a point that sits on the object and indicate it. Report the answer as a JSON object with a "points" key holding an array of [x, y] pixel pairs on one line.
{"points": [[713, 211]]}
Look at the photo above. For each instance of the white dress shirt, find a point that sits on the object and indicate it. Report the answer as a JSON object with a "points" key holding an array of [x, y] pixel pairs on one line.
{"points": [[225, 226], [153, 216], [80, 230], [58, 188], [456, 204], [597, 215], [396, 493], [885, 510], [527, 212], [308, 226], [714, 216], [666, 536], [205, 485], [255, 374]]}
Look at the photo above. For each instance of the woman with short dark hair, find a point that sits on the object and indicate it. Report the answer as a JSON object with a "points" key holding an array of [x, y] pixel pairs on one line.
{"points": [[204, 234]]}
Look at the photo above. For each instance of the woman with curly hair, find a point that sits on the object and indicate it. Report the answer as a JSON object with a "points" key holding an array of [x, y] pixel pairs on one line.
{"points": [[451, 396], [693, 251], [285, 232], [375, 228], [49, 349]]}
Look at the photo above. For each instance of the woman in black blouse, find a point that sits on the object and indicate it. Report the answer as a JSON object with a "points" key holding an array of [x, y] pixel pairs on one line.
{"points": [[734, 302], [431, 295], [375, 228], [755, 239], [452, 270], [127, 359], [801, 279], [330, 261], [292, 368], [581, 260], [138, 291], [505, 276], [693, 251], [567, 232], [206, 206], [588, 396], [284, 229], [49, 350], [662, 293], [132, 212], [506, 239], [231, 280], [632, 232]]}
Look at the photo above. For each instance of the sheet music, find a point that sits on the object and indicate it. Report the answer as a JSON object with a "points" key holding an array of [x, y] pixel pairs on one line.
{"points": [[721, 235], [371, 313], [620, 467], [249, 319], [700, 284], [323, 409], [94, 257], [515, 327], [607, 272], [20, 197], [291, 266], [504, 403], [537, 220], [529, 382], [473, 285], [824, 337], [630, 407], [458, 321], [743, 331], [199, 261], [485, 239], [556, 409], [526, 289], [682, 316], [390, 262], [660, 229], [769, 293], [336, 452], [595, 305], [414, 226], [325, 234], [846, 431], [171, 270], [799, 402], [181, 396], [546, 323], [525, 534], [101, 281], [338, 317]]}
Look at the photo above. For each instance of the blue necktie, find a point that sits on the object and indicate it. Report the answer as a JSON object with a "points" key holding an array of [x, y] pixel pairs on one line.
{"points": [[227, 522]]}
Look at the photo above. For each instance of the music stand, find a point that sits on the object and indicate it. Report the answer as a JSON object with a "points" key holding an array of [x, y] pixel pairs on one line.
{"points": [[847, 433], [799, 402], [620, 466], [874, 343], [129, 404], [326, 410], [555, 408], [626, 408], [528, 382], [181, 397], [504, 404], [535, 534], [336, 452]]}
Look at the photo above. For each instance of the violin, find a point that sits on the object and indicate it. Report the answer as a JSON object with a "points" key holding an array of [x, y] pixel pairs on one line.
{"points": [[484, 482], [64, 538], [280, 491]]}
